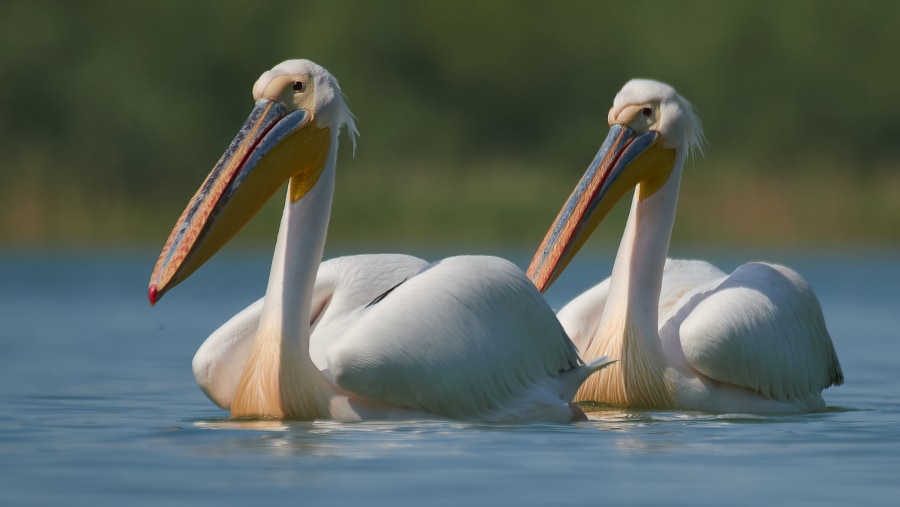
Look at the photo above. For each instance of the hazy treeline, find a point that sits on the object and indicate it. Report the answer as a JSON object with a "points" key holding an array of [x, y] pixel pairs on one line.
{"points": [[476, 116]]}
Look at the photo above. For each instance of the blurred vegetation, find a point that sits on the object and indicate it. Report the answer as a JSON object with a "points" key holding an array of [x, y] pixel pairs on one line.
{"points": [[477, 116]]}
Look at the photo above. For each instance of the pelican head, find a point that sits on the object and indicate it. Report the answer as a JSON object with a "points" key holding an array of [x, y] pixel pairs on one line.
{"points": [[652, 129], [298, 113]]}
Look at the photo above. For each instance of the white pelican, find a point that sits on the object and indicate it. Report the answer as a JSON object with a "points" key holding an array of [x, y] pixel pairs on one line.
{"points": [[686, 335], [465, 337]]}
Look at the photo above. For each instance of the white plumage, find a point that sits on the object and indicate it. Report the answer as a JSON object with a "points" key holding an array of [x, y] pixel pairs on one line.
{"points": [[687, 335], [375, 336]]}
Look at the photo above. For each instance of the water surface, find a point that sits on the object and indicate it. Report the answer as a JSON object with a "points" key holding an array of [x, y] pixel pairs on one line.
{"points": [[100, 408]]}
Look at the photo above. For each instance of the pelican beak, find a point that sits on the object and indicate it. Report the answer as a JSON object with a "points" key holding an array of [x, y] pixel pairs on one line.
{"points": [[274, 145], [625, 160]]}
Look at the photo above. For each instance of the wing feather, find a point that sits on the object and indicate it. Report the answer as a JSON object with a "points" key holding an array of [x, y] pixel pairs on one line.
{"points": [[466, 337], [760, 328]]}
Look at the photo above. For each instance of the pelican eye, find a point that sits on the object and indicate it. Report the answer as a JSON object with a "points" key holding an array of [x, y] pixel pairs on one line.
{"points": [[299, 86], [647, 112]]}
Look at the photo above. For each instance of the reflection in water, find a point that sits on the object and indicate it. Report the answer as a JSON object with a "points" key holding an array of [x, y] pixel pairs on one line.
{"points": [[630, 431], [656, 432], [275, 436], [361, 440], [243, 424]]}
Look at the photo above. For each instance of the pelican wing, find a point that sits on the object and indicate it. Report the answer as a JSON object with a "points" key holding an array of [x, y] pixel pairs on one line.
{"points": [[344, 286], [760, 328], [469, 338]]}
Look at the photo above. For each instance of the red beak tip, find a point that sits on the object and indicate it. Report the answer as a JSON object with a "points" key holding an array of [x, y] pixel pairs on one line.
{"points": [[151, 294]]}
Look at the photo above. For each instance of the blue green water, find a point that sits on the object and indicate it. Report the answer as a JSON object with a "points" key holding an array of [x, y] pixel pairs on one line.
{"points": [[99, 407]]}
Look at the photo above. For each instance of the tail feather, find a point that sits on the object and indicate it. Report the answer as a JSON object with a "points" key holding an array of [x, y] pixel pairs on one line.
{"points": [[576, 376], [598, 364]]}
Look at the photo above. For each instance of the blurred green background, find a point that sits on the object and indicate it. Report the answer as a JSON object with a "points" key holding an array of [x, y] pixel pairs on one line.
{"points": [[477, 117]]}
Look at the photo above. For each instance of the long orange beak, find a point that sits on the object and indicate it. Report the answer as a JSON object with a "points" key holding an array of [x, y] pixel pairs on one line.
{"points": [[625, 159], [246, 176]]}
